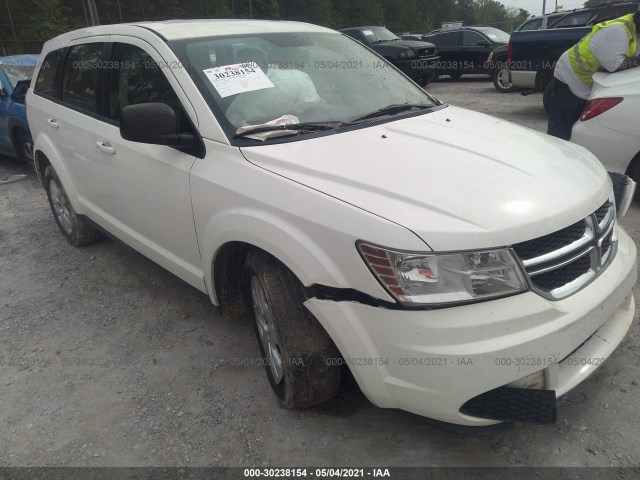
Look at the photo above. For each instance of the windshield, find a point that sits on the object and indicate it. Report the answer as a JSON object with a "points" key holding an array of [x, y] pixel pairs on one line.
{"points": [[315, 78], [378, 34], [496, 35], [15, 73]]}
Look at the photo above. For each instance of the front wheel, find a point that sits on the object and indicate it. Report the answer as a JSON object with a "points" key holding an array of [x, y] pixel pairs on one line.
{"points": [[77, 229], [501, 81], [300, 359]]}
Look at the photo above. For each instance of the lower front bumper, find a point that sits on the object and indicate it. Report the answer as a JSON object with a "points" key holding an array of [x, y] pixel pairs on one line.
{"points": [[432, 362], [420, 70]]}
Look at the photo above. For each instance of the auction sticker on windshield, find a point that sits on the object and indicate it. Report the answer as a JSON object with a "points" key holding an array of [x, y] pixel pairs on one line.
{"points": [[238, 78]]}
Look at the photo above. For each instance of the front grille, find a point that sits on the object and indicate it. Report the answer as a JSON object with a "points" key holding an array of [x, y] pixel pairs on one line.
{"points": [[601, 213], [563, 262], [560, 277], [552, 242], [426, 52], [606, 243]]}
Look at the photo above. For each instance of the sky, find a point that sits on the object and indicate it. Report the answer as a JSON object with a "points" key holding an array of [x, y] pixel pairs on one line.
{"points": [[535, 6]]}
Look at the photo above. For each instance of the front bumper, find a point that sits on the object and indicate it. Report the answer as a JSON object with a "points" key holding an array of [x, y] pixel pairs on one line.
{"points": [[420, 70], [432, 362]]}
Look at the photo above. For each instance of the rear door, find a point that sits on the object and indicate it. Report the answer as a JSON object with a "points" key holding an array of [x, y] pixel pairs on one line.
{"points": [[448, 44], [65, 108], [147, 201]]}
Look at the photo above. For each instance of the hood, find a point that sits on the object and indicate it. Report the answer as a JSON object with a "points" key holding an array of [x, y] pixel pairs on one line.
{"points": [[416, 44], [458, 179]]}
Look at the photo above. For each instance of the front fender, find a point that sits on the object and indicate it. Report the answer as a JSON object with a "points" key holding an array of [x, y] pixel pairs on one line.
{"points": [[286, 242]]}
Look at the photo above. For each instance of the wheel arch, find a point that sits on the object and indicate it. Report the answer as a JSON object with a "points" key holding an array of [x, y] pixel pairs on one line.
{"points": [[233, 235], [46, 153]]}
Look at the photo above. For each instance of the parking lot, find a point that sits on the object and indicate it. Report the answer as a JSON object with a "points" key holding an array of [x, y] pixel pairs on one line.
{"points": [[107, 359]]}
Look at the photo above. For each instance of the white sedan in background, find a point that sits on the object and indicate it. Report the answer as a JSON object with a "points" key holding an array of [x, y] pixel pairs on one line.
{"points": [[609, 126]]}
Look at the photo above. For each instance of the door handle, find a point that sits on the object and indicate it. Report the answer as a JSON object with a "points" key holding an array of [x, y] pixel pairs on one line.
{"points": [[53, 123], [106, 147]]}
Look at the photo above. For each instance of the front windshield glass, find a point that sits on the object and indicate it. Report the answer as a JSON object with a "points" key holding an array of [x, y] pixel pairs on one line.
{"points": [[312, 77], [496, 35], [16, 72], [379, 34]]}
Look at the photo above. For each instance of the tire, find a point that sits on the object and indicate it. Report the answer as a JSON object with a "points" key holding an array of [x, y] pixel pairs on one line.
{"points": [[77, 229], [635, 176], [24, 148], [546, 97], [455, 76], [298, 354], [501, 85]]}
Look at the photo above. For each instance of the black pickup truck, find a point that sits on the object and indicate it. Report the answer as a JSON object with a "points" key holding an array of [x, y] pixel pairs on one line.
{"points": [[416, 59], [533, 55]]}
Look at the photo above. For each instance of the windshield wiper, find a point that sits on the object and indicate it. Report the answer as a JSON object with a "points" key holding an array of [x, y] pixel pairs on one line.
{"points": [[294, 127], [391, 110]]}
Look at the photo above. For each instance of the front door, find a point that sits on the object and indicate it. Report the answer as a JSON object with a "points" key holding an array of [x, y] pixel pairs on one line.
{"points": [[148, 197]]}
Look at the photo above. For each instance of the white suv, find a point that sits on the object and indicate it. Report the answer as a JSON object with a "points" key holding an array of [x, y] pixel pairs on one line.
{"points": [[462, 267]]}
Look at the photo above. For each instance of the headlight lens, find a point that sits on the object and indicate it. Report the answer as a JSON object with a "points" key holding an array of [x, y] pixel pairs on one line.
{"points": [[445, 278], [407, 54]]}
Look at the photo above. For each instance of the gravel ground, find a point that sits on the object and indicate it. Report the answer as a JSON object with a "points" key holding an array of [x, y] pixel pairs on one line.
{"points": [[108, 360]]}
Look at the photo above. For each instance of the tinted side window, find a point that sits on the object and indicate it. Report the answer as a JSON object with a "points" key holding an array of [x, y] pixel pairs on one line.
{"points": [[577, 20], [531, 25], [46, 81], [447, 39], [137, 78], [472, 39], [80, 77]]}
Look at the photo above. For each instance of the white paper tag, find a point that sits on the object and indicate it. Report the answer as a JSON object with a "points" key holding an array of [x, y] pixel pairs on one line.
{"points": [[367, 32], [238, 78]]}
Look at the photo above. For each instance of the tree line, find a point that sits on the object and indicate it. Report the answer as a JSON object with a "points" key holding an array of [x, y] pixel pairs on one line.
{"points": [[27, 24]]}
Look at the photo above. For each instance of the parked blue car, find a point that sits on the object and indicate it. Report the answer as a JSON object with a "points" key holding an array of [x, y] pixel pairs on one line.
{"points": [[15, 76]]}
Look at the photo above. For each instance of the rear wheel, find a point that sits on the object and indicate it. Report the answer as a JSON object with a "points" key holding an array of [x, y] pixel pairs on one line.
{"points": [[299, 356], [74, 227]]}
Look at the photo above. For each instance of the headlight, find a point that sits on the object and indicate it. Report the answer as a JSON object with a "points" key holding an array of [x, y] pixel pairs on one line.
{"points": [[445, 278], [407, 54]]}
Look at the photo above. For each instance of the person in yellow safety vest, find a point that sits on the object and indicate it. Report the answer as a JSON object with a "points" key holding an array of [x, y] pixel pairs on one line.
{"points": [[611, 46]]}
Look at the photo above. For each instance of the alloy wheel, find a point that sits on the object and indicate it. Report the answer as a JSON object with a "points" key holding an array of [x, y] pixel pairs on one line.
{"points": [[266, 329]]}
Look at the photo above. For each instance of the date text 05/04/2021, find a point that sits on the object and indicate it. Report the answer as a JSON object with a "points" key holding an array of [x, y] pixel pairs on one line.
{"points": [[317, 472]]}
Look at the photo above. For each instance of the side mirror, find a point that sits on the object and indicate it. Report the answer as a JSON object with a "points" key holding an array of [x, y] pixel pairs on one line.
{"points": [[153, 123]]}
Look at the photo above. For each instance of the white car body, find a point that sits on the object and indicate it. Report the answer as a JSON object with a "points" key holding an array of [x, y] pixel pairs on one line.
{"points": [[614, 135], [445, 181]]}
